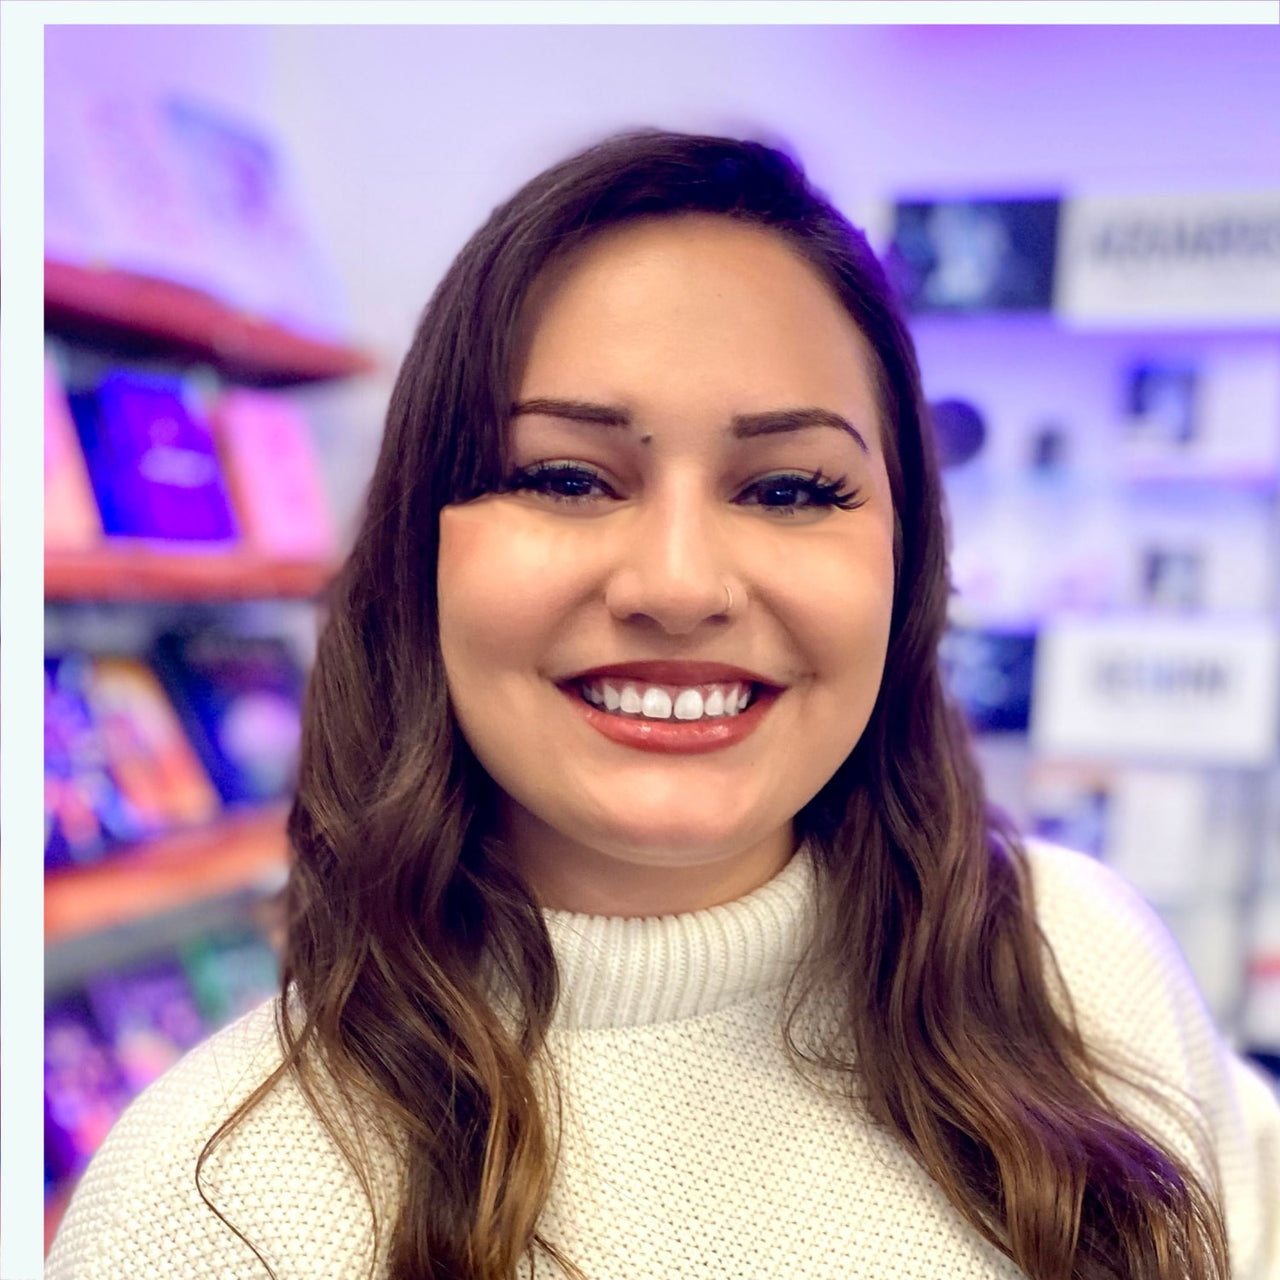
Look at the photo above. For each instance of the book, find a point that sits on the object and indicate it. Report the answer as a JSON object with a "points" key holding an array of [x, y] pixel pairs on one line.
{"points": [[149, 1017], [85, 809], [71, 520], [274, 473], [230, 973], [84, 1090], [152, 461], [240, 701], [150, 758], [961, 256]]}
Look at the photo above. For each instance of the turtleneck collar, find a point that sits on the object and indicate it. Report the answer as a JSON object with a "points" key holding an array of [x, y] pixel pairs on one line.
{"points": [[626, 972]]}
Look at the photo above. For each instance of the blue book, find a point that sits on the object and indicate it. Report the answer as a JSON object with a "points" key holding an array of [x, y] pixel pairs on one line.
{"points": [[240, 702], [86, 810], [152, 461]]}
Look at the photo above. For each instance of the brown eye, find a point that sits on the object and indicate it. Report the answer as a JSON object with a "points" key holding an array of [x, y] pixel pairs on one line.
{"points": [[788, 493], [560, 481]]}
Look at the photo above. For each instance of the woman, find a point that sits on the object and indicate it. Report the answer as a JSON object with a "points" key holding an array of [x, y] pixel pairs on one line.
{"points": [[646, 917]]}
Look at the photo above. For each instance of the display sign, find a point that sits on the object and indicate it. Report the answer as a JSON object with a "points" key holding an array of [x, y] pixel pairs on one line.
{"points": [[1170, 260], [956, 256], [1195, 690]]}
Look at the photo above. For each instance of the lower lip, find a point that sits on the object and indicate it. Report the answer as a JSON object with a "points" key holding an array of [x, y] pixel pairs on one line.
{"points": [[676, 736]]}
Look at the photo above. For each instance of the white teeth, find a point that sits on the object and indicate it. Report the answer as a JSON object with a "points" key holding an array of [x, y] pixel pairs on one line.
{"points": [[656, 704], [689, 705]]}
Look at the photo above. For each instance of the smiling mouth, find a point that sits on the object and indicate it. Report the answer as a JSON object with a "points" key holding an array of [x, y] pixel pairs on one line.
{"points": [[639, 700]]}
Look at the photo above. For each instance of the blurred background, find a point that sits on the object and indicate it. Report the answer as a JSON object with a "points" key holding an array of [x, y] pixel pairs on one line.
{"points": [[242, 227]]}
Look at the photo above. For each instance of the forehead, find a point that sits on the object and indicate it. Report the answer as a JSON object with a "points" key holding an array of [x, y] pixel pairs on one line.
{"points": [[687, 304]]}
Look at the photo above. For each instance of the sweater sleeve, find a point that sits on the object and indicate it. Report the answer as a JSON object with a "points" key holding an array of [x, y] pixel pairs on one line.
{"points": [[1138, 1004], [137, 1213]]}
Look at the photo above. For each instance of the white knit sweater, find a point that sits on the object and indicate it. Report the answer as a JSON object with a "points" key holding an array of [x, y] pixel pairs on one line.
{"points": [[692, 1149]]}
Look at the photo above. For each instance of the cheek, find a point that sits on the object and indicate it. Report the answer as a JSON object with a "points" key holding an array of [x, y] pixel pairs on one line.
{"points": [[502, 589], [841, 604]]}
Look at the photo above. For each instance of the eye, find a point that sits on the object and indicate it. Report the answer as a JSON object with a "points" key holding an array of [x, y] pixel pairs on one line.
{"points": [[790, 492], [569, 482]]}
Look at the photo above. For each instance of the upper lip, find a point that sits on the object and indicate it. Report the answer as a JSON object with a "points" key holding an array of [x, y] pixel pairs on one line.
{"points": [[663, 671]]}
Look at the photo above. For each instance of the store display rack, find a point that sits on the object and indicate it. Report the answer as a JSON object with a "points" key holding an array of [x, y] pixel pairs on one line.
{"points": [[244, 850], [141, 315], [135, 891], [123, 570]]}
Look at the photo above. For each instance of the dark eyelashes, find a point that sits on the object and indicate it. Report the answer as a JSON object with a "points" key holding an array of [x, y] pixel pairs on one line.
{"points": [[577, 483]]}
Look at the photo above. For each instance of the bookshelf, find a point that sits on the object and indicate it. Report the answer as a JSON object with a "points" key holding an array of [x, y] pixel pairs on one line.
{"points": [[243, 850], [142, 315], [153, 896], [124, 570]]}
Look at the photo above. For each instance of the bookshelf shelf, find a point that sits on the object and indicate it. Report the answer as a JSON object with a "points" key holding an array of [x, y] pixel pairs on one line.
{"points": [[176, 870], [125, 570], [146, 315]]}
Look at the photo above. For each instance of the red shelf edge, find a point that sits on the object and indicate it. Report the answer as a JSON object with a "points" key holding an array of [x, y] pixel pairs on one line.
{"points": [[169, 312]]}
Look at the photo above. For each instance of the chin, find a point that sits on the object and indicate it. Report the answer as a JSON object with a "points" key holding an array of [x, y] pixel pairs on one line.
{"points": [[674, 841]]}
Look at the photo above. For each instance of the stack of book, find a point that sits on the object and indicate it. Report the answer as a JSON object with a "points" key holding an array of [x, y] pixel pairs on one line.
{"points": [[105, 1042], [144, 457], [135, 747]]}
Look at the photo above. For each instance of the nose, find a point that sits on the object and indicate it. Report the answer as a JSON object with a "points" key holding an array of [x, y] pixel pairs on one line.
{"points": [[670, 567]]}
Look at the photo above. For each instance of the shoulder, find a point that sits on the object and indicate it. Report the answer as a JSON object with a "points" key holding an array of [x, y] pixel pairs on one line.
{"points": [[138, 1213], [1137, 1003], [1127, 980]]}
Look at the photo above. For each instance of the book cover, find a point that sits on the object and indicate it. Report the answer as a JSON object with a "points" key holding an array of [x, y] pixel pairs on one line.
{"points": [[251, 219], [230, 973], [150, 758], [84, 1091], [152, 461], [71, 520], [85, 809], [149, 1017], [240, 701], [957, 256], [274, 472]]}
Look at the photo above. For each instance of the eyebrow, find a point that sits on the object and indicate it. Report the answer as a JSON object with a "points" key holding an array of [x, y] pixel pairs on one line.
{"points": [[742, 425]]}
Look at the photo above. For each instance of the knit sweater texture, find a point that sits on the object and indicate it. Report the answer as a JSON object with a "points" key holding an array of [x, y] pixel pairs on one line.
{"points": [[691, 1148]]}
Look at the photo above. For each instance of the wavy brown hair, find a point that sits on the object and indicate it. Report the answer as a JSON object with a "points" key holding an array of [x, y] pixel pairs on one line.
{"points": [[402, 907]]}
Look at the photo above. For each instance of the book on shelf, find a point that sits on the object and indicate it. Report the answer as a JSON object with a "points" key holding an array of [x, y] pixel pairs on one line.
{"points": [[117, 765], [240, 701], [172, 187], [84, 1089], [71, 521], [152, 461], [125, 1025], [85, 809], [149, 1016], [274, 473]]}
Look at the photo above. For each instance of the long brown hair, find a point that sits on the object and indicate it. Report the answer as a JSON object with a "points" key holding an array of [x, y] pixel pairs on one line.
{"points": [[399, 902]]}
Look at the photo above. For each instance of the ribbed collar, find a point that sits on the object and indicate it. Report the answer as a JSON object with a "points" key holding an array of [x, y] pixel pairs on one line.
{"points": [[618, 972]]}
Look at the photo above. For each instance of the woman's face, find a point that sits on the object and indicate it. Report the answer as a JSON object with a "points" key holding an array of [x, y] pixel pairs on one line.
{"points": [[695, 415]]}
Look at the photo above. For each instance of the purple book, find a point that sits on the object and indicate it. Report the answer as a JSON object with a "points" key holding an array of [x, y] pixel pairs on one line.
{"points": [[84, 1092], [152, 461], [150, 1017]]}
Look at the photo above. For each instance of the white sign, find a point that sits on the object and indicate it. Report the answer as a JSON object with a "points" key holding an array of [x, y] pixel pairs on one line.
{"points": [[1170, 260], [1205, 691]]}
